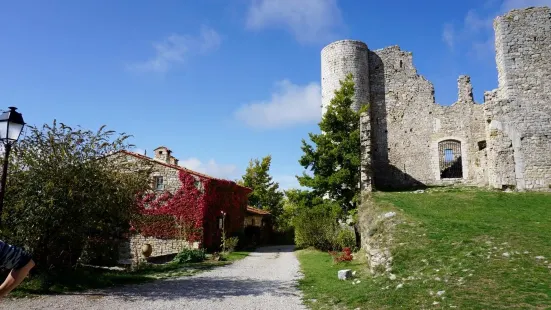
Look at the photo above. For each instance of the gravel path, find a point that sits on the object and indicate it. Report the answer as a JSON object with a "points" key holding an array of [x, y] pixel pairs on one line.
{"points": [[266, 279]]}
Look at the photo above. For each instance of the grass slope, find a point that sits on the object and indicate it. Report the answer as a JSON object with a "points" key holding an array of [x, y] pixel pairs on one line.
{"points": [[465, 249], [84, 278]]}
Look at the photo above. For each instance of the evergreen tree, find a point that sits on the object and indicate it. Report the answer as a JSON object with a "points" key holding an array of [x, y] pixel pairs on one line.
{"points": [[334, 160], [266, 194]]}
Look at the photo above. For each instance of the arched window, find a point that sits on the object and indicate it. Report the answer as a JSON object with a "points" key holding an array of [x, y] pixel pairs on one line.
{"points": [[449, 154]]}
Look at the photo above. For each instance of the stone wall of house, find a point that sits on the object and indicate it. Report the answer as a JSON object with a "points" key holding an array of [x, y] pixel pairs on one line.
{"points": [[505, 142], [131, 252], [518, 113]]}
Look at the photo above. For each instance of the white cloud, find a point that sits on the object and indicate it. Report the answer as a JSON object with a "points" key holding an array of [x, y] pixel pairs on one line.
{"points": [[483, 49], [289, 105], [474, 22], [476, 32], [211, 168], [176, 49], [308, 20], [449, 35]]}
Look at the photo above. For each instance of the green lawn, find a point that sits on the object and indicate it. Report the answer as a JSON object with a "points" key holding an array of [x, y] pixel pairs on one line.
{"points": [[465, 248], [83, 278]]}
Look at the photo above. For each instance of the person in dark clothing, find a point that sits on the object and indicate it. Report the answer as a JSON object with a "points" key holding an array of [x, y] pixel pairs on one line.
{"points": [[18, 261]]}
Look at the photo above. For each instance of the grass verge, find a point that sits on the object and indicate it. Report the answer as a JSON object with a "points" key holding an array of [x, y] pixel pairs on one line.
{"points": [[465, 249], [84, 278]]}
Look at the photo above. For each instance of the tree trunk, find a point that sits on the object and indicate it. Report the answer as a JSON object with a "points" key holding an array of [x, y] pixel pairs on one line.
{"points": [[358, 236]]}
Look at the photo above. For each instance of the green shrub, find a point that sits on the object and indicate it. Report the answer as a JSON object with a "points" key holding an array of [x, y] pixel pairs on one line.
{"points": [[101, 252], [63, 191], [230, 244], [190, 256], [346, 239], [317, 226]]}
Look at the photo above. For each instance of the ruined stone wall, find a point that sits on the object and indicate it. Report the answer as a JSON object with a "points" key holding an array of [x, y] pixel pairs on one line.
{"points": [[366, 173], [407, 124], [518, 113], [505, 142]]}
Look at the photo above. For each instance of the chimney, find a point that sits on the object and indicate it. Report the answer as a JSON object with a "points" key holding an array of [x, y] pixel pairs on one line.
{"points": [[162, 154]]}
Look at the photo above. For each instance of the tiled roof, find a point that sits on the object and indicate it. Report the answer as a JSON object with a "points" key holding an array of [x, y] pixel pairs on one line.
{"points": [[257, 211], [199, 174]]}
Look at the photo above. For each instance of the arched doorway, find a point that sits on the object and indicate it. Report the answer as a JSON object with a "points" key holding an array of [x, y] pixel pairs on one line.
{"points": [[449, 154]]}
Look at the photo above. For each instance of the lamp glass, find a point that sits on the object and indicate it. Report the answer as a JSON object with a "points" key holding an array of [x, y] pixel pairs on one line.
{"points": [[14, 130], [3, 130]]}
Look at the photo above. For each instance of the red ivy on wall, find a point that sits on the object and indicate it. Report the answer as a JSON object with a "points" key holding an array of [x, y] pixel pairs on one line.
{"points": [[187, 210]]}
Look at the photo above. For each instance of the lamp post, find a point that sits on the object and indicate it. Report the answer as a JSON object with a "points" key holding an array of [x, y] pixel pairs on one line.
{"points": [[11, 126]]}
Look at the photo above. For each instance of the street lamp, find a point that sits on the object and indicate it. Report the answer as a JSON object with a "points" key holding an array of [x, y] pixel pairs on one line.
{"points": [[11, 126]]}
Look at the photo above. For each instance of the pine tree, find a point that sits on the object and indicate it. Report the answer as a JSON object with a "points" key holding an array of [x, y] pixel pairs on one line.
{"points": [[335, 159], [266, 194]]}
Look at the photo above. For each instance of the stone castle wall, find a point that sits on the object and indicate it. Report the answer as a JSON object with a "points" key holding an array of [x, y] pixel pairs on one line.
{"points": [[504, 142], [519, 111], [408, 124]]}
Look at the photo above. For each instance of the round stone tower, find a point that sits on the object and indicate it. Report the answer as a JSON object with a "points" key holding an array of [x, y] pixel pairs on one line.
{"points": [[338, 59]]}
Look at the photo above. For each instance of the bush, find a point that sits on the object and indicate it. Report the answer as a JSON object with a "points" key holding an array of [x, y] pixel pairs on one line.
{"points": [[101, 252], [317, 226], [230, 244], [346, 239], [62, 191], [285, 237], [190, 256], [345, 256]]}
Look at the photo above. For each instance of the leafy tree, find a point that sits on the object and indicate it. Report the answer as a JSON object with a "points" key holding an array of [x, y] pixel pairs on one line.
{"points": [[64, 193], [335, 158], [266, 194]]}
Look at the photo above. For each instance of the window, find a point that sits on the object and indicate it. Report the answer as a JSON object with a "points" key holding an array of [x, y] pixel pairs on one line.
{"points": [[448, 155], [451, 166], [481, 145], [159, 185], [252, 221]]}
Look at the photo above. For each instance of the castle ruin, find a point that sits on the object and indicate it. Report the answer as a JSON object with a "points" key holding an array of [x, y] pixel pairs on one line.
{"points": [[408, 140]]}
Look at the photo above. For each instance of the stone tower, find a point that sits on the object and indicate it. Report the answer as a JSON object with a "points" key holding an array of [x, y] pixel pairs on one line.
{"points": [[338, 59]]}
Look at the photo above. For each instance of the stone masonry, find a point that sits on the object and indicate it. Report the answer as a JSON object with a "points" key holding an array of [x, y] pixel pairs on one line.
{"points": [[130, 251], [408, 140]]}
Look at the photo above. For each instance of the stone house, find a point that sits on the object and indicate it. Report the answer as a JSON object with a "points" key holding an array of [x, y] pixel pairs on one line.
{"points": [[215, 197], [256, 217], [258, 225]]}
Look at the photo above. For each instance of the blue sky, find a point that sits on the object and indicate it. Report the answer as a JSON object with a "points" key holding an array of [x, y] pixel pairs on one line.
{"points": [[203, 77]]}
